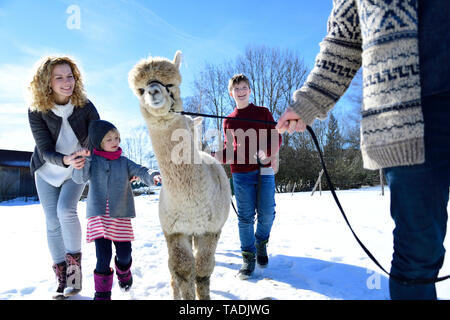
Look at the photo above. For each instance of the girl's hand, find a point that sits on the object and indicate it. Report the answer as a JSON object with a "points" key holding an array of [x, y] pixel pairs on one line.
{"points": [[157, 179], [83, 153]]}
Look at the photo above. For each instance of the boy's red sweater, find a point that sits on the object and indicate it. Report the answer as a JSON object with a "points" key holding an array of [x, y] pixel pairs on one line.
{"points": [[241, 158]]}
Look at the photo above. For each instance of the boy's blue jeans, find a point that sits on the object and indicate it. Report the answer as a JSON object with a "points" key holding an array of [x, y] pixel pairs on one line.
{"points": [[419, 198], [246, 192]]}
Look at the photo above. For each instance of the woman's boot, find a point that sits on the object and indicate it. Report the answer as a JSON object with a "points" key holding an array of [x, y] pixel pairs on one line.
{"points": [[74, 277], [103, 285], [60, 272], [124, 275]]}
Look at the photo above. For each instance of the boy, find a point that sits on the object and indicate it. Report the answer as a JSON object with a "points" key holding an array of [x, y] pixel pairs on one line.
{"points": [[250, 148]]}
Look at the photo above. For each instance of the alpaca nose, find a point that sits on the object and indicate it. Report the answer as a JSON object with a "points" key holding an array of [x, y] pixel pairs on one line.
{"points": [[154, 90]]}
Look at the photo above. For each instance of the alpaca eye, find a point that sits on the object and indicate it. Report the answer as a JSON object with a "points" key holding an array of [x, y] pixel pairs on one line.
{"points": [[141, 91]]}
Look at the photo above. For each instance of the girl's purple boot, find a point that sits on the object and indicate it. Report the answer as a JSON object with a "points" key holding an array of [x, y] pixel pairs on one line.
{"points": [[103, 285], [124, 275]]}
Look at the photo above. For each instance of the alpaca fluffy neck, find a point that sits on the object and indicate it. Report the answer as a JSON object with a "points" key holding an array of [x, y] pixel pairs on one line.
{"points": [[167, 151]]}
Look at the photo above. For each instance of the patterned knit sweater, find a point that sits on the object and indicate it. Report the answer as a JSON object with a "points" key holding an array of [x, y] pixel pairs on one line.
{"points": [[382, 37]]}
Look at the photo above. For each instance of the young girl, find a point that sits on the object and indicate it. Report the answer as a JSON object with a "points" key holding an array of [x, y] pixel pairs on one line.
{"points": [[110, 205], [59, 116]]}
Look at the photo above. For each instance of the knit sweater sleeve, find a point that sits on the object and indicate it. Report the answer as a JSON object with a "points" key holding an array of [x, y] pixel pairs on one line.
{"points": [[336, 64], [83, 175]]}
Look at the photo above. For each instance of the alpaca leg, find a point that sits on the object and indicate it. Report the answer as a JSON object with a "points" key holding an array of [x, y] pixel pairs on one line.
{"points": [[181, 265], [175, 289], [205, 248], [173, 283]]}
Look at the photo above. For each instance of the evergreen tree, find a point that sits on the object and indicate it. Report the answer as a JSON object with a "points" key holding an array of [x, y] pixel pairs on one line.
{"points": [[333, 144]]}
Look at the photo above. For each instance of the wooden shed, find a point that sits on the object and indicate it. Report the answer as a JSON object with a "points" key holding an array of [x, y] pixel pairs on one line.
{"points": [[15, 177]]}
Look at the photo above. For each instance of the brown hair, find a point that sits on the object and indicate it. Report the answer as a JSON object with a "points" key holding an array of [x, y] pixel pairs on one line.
{"points": [[236, 79], [41, 93]]}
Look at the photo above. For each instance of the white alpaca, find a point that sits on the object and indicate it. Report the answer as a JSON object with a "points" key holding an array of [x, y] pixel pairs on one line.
{"points": [[195, 196]]}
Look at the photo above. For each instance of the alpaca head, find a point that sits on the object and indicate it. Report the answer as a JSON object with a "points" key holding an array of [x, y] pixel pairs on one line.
{"points": [[155, 81]]}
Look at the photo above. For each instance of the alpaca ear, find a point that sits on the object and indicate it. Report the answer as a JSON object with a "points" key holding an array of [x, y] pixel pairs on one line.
{"points": [[198, 121], [177, 59]]}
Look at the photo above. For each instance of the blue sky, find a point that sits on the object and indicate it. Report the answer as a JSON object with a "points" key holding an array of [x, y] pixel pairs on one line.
{"points": [[113, 35]]}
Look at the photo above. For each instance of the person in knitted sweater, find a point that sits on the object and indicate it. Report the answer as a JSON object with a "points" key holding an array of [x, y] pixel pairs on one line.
{"points": [[110, 205], [403, 49]]}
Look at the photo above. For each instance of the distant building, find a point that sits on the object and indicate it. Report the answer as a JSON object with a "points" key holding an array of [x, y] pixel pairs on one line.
{"points": [[15, 177]]}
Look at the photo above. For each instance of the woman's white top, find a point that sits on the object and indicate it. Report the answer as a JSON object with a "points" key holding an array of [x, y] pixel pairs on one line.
{"points": [[67, 143]]}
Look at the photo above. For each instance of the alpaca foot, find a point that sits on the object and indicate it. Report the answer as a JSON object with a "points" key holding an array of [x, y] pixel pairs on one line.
{"points": [[202, 288]]}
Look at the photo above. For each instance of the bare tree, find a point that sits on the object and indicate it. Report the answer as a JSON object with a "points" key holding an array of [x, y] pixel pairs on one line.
{"points": [[274, 74], [137, 147], [211, 91]]}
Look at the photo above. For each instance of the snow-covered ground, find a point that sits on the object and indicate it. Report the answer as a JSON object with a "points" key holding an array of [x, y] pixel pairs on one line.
{"points": [[312, 253]]}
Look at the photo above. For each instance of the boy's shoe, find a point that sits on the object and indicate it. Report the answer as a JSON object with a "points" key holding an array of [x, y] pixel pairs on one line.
{"points": [[103, 285], [74, 277], [124, 276], [60, 272], [261, 254], [248, 265]]}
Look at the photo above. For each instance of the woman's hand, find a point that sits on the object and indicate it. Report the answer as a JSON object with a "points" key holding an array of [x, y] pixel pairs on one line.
{"points": [[77, 159]]}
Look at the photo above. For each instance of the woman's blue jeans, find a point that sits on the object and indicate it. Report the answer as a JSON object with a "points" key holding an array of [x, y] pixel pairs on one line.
{"points": [[60, 209], [254, 200], [419, 198]]}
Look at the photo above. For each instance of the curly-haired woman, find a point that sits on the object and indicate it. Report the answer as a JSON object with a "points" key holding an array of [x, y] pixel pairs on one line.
{"points": [[59, 117]]}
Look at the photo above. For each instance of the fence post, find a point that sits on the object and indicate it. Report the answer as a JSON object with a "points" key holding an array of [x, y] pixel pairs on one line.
{"points": [[318, 183], [381, 182], [293, 189]]}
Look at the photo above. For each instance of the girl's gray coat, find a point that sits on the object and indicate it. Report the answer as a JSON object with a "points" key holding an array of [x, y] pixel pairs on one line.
{"points": [[110, 179]]}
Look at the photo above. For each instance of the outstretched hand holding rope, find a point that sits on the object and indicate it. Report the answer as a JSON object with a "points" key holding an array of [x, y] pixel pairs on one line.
{"points": [[290, 122]]}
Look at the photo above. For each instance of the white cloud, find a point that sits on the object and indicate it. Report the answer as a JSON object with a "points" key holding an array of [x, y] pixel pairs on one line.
{"points": [[153, 19], [15, 133], [14, 128], [14, 80]]}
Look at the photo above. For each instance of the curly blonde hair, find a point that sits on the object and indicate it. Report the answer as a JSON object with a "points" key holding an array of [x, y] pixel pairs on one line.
{"points": [[41, 97]]}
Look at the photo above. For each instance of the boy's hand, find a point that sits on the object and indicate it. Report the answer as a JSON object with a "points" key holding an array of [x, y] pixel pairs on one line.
{"points": [[291, 122], [261, 155]]}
